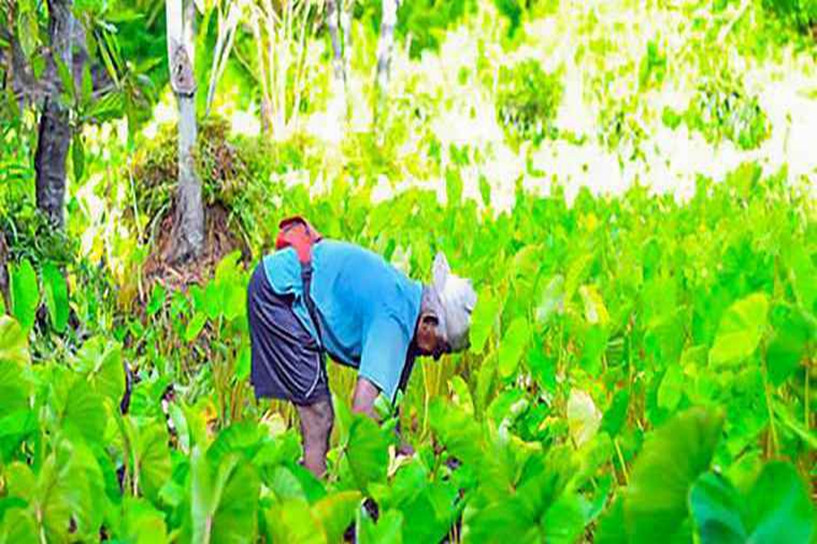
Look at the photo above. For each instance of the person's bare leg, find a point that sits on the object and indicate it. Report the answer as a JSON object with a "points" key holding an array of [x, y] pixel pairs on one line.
{"points": [[316, 426]]}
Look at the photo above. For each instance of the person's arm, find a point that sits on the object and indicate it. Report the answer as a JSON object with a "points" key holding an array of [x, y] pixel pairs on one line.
{"points": [[365, 394], [363, 403]]}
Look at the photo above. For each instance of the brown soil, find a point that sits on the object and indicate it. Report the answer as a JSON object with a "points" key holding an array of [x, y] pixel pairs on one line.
{"points": [[222, 237]]}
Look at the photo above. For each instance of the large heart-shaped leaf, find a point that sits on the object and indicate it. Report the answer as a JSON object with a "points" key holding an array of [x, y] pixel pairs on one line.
{"points": [[142, 523], [224, 499], [672, 459], [13, 341], [335, 512], [294, 522], [776, 509], [367, 451], [151, 457], [101, 361], [512, 346], [55, 290], [740, 330], [25, 293], [83, 411]]}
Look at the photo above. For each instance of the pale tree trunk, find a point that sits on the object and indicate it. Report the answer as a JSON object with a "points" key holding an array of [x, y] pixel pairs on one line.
{"points": [[385, 44], [188, 222], [333, 11], [55, 129], [346, 27]]}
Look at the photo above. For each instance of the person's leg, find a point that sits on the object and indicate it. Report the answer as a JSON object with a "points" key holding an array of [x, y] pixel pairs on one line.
{"points": [[316, 426]]}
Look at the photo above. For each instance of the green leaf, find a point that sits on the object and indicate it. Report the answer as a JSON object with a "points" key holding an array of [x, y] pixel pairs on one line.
{"points": [[512, 346], [195, 326], [673, 457], [78, 157], [387, 530], [616, 413], [776, 509], [19, 527], [224, 499], [293, 522], [335, 512], [142, 523], [671, 388], [792, 332], [551, 300], [483, 320], [101, 361], [151, 457], [367, 451], [13, 342], [715, 505], [583, 418], [55, 290], [779, 508], [83, 411], [25, 293], [740, 330], [453, 187]]}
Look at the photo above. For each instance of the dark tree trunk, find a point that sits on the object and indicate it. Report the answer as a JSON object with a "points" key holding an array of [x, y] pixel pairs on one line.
{"points": [[55, 129]]}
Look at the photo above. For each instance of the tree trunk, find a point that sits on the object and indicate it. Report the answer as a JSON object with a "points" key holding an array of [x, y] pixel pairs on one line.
{"points": [[385, 44], [333, 12], [55, 129], [188, 223]]}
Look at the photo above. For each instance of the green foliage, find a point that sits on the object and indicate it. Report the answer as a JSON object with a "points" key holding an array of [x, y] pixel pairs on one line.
{"points": [[527, 101], [723, 110]]}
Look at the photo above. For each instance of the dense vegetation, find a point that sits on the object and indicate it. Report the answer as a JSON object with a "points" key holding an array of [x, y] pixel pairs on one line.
{"points": [[642, 364]]}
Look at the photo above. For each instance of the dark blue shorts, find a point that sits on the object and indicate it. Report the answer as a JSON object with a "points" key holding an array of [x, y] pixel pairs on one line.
{"points": [[286, 360]]}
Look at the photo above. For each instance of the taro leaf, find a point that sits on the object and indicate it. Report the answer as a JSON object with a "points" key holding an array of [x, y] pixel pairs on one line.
{"points": [[13, 341], [616, 413], [151, 458], [792, 332], [101, 361], [432, 512], [583, 418], [69, 489], [56, 296], [779, 508], [595, 312], [25, 293], [19, 526], [551, 300], [670, 390], [672, 459], [224, 499], [611, 528], [83, 411], [367, 451], [776, 509], [284, 484], [195, 326], [716, 508], [387, 530], [564, 520], [512, 346], [142, 523], [292, 522], [335, 512], [461, 394], [245, 437], [483, 319], [740, 330], [502, 521], [243, 366], [458, 432]]}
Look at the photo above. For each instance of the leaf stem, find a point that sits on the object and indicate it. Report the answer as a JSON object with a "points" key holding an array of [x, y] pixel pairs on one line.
{"points": [[621, 461]]}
